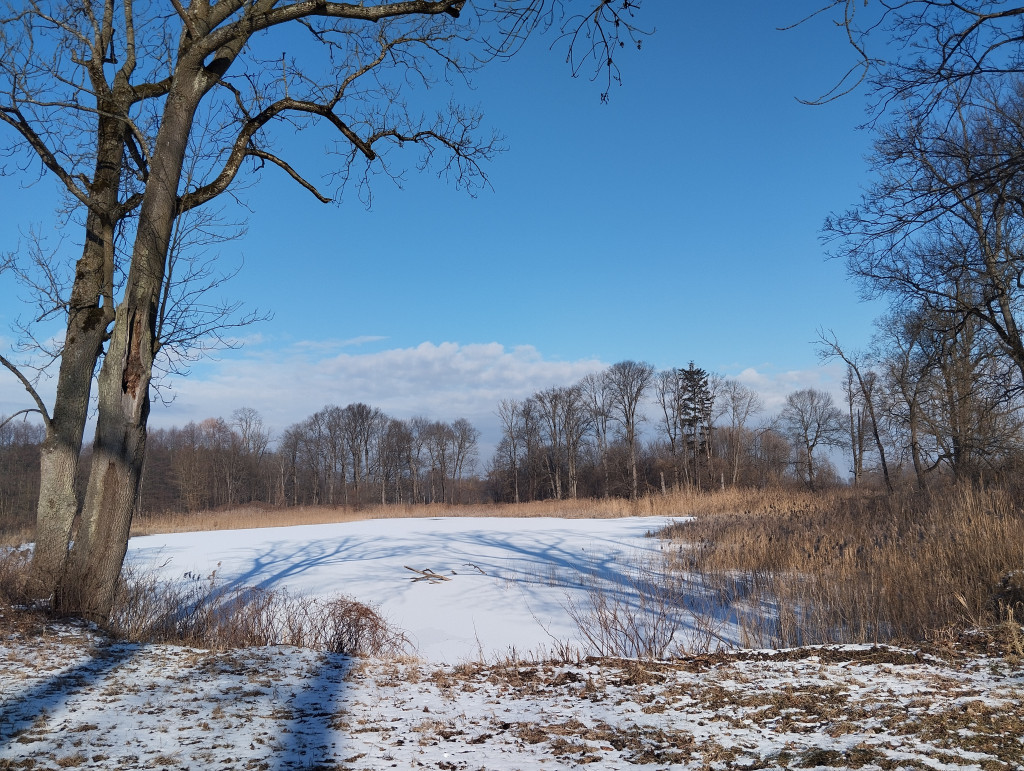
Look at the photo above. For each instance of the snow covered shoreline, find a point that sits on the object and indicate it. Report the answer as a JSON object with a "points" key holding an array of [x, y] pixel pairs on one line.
{"points": [[72, 698]]}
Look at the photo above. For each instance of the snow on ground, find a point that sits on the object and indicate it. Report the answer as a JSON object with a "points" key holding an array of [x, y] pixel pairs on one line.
{"points": [[70, 698], [510, 578]]}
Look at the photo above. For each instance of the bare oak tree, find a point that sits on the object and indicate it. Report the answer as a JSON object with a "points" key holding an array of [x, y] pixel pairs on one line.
{"points": [[143, 116]]}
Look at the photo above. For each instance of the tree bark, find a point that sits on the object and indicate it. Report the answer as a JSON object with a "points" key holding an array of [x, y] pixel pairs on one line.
{"points": [[90, 313], [123, 389]]}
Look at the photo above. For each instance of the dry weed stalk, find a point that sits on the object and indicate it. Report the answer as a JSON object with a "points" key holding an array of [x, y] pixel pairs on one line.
{"points": [[653, 613], [204, 613]]}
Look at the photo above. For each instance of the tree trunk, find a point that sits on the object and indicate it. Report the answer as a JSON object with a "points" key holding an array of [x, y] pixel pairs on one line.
{"points": [[90, 312], [634, 491], [118, 453], [123, 389]]}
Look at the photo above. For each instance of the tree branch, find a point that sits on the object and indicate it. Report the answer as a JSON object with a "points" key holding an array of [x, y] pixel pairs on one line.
{"points": [[41, 406], [14, 118], [289, 171], [16, 414]]}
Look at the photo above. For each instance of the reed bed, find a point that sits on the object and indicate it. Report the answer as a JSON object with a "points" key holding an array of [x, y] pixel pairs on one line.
{"points": [[673, 504], [847, 567]]}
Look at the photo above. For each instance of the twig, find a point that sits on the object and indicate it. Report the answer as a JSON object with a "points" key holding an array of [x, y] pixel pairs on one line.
{"points": [[427, 575]]}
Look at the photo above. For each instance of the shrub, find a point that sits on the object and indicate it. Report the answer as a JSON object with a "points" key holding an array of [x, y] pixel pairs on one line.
{"points": [[205, 613]]}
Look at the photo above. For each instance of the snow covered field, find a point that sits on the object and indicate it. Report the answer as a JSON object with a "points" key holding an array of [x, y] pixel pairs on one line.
{"points": [[69, 698], [509, 579]]}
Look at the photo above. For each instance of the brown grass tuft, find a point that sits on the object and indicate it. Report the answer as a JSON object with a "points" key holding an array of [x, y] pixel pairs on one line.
{"points": [[207, 614]]}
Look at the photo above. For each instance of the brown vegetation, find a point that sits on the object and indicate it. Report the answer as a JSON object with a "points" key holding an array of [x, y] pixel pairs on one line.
{"points": [[205, 613], [849, 567], [680, 504], [791, 566]]}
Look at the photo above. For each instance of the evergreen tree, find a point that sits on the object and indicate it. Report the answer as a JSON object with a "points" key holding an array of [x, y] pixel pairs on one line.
{"points": [[695, 409]]}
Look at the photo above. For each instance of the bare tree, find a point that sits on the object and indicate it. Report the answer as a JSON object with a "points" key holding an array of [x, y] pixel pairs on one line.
{"points": [[576, 420], [943, 226], [465, 438], [627, 382], [420, 428], [510, 415], [906, 362], [361, 422], [439, 442], [867, 383], [813, 422], [551, 406], [669, 396], [394, 446], [598, 396], [109, 99], [739, 405]]}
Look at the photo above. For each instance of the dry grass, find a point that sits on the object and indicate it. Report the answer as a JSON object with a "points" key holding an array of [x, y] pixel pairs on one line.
{"points": [[672, 505], [14, 571], [12, 535], [657, 616], [205, 613], [792, 567], [844, 567], [254, 516]]}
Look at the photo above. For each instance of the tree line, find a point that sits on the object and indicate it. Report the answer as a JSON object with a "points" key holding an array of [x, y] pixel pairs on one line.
{"points": [[353, 456], [626, 431]]}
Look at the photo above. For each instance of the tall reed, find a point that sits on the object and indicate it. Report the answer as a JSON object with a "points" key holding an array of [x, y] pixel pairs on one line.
{"points": [[851, 567]]}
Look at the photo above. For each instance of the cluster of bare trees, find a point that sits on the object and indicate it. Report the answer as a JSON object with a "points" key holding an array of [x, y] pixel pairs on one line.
{"points": [[208, 464], [548, 438], [940, 234], [626, 431], [351, 456], [19, 462], [931, 402], [584, 440], [357, 454]]}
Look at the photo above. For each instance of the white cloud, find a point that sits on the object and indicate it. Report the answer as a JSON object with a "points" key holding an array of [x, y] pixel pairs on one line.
{"points": [[775, 386], [441, 381], [333, 344]]}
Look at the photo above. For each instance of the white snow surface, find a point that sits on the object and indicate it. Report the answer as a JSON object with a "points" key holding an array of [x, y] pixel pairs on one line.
{"points": [[71, 698], [510, 578]]}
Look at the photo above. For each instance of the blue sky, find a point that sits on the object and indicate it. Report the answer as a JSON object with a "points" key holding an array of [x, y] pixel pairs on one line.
{"points": [[678, 222]]}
